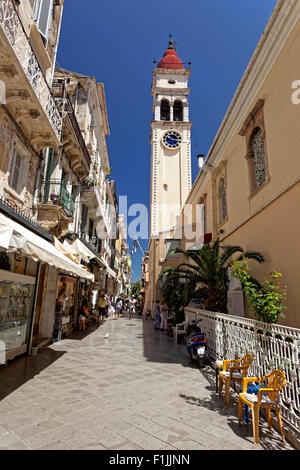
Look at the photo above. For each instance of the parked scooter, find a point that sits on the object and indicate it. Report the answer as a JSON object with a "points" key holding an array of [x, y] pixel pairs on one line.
{"points": [[196, 343]]}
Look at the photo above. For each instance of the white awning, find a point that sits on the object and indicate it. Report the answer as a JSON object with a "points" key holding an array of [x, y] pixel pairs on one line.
{"points": [[110, 272], [15, 237], [77, 248]]}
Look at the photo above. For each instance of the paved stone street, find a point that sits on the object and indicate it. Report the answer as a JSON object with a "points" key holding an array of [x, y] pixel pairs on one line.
{"points": [[134, 390]]}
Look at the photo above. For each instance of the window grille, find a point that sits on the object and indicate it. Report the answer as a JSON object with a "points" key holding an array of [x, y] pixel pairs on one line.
{"points": [[259, 159], [222, 201]]}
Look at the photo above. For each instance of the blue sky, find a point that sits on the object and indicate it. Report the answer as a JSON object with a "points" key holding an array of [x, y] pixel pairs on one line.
{"points": [[117, 41]]}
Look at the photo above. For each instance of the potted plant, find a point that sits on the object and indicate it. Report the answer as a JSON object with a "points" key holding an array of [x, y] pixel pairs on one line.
{"points": [[206, 273], [265, 298], [54, 197]]}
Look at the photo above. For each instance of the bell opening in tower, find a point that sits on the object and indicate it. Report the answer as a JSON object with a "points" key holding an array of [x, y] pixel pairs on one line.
{"points": [[165, 110], [178, 111]]}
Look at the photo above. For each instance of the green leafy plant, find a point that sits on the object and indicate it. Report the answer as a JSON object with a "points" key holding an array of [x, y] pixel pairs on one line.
{"points": [[206, 273], [135, 289], [265, 298], [176, 296]]}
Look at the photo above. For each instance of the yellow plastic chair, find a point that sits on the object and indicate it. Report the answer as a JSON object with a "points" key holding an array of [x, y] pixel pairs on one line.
{"points": [[233, 371], [267, 398]]}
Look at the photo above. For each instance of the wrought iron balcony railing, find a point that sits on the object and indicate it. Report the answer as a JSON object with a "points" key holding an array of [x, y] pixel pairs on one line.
{"points": [[22, 217], [61, 96], [56, 192], [15, 34]]}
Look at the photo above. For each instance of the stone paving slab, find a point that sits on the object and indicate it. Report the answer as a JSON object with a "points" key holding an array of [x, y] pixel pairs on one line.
{"points": [[132, 391]]}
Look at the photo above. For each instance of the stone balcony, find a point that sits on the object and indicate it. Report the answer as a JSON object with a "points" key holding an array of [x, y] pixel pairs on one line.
{"points": [[26, 94], [57, 207]]}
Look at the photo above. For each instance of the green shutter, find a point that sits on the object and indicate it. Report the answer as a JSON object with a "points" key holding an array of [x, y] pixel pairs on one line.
{"points": [[48, 172]]}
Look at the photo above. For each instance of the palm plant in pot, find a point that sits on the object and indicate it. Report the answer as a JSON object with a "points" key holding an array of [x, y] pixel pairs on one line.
{"points": [[206, 272]]}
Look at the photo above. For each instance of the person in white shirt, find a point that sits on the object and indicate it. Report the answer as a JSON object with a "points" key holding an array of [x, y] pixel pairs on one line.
{"points": [[164, 317], [119, 306], [132, 307]]}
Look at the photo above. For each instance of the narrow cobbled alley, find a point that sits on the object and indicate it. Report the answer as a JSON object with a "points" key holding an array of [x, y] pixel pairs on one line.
{"points": [[132, 390]]}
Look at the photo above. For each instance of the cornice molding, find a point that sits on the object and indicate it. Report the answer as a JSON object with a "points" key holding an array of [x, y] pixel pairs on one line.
{"points": [[171, 91], [251, 116]]}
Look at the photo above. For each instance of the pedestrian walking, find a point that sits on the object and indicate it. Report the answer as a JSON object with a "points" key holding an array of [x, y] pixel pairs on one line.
{"points": [[132, 307], [164, 317], [84, 313], [119, 306], [101, 308], [157, 318]]}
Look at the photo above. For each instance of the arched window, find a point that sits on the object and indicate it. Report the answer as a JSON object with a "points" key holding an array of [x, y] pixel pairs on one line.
{"points": [[222, 201], [258, 157], [178, 111], [164, 110]]}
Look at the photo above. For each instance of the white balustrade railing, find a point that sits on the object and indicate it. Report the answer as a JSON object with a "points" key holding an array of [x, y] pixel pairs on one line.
{"points": [[273, 346], [14, 32]]}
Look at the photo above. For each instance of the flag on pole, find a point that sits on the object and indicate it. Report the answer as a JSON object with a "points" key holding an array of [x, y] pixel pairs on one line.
{"points": [[134, 247]]}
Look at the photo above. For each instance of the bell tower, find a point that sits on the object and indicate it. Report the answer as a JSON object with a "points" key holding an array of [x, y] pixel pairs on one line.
{"points": [[170, 142], [170, 160]]}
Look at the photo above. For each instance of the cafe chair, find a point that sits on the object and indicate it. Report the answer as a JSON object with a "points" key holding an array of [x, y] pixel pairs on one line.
{"points": [[267, 398], [233, 371]]}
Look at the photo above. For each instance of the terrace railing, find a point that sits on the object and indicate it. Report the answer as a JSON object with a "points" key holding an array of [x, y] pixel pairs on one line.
{"points": [[56, 192], [15, 34], [273, 346]]}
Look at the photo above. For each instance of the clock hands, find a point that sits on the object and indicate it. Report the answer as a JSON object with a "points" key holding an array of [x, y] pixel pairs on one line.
{"points": [[172, 139]]}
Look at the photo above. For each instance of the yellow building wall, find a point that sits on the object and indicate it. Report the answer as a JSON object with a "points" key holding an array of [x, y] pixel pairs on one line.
{"points": [[275, 232], [268, 220]]}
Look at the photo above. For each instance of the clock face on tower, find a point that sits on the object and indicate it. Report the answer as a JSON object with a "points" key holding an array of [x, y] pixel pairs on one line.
{"points": [[172, 140]]}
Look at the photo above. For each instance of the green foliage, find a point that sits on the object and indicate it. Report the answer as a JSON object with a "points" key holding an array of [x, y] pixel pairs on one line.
{"points": [[135, 289], [176, 297], [266, 298], [208, 269]]}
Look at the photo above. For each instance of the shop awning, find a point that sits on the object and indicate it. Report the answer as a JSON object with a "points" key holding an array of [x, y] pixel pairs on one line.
{"points": [[79, 250], [15, 237], [69, 253], [110, 272]]}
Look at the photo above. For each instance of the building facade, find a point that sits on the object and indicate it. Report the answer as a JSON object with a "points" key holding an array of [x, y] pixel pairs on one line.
{"points": [[57, 205], [249, 180]]}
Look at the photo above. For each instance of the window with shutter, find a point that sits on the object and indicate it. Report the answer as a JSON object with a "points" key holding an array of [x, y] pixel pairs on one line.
{"points": [[84, 218], [44, 16], [15, 171], [49, 163]]}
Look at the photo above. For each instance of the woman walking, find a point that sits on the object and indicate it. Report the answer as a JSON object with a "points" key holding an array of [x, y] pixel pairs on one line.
{"points": [[101, 308], [83, 317], [119, 305], [157, 318]]}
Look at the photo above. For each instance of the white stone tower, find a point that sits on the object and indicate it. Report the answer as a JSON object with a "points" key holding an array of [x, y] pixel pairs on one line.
{"points": [[170, 142], [170, 161]]}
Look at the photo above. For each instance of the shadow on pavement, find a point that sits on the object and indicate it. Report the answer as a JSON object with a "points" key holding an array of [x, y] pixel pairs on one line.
{"points": [[269, 439], [80, 335], [17, 372], [159, 347]]}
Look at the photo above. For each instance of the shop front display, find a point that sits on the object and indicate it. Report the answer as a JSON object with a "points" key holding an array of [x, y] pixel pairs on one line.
{"points": [[16, 309], [65, 315]]}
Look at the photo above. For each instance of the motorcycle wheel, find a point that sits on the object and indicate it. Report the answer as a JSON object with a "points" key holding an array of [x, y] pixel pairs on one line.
{"points": [[201, 362]]}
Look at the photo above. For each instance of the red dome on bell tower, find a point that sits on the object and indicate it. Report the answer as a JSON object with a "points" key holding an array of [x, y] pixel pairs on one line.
{"points": [[170, 58]]}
